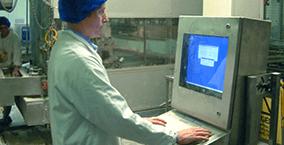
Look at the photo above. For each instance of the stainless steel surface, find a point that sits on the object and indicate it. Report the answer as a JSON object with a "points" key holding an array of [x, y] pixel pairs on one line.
{"points": [[169, 80], [143, 87], [258, 87], [22, 86], [35, 110], [275, 85], [247, 55]]}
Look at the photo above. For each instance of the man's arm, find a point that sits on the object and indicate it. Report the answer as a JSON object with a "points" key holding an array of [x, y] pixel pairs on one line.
{"points": [[16, 55], [100, 103], [15, 72]]}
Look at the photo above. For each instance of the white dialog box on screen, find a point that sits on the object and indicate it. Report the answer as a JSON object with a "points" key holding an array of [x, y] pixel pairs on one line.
{"points": [[208, 54]]}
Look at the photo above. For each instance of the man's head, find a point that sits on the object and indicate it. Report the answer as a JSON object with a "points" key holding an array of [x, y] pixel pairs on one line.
{"points": [[74, 11], [4, 26], [84, 16]]}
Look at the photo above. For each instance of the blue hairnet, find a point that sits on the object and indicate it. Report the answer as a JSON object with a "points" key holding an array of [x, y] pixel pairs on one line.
{"points": [[74, 11], [5, 21]]}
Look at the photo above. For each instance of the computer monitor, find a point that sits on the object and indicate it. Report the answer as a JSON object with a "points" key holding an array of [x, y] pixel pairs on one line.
{"points": [[203, 63]]}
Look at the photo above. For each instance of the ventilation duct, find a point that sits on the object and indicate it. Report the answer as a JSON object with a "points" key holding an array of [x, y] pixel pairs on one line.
{"points": [[8, 5]]}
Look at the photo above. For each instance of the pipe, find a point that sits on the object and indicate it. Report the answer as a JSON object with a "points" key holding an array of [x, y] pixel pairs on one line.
{"points": [[281, 18], [264, 10], [145, 44], [27, 30]]}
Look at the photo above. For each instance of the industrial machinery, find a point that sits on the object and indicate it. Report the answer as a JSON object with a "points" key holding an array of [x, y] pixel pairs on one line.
{"points": [[29, 92], [276, 58], [105, 49], [212, 63]]}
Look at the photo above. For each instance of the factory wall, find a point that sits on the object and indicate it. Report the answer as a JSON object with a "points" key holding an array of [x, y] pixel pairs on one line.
{"points": [[18, 15], [243, 8]]}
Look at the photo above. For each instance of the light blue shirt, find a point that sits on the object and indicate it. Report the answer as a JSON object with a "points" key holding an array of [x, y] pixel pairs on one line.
{"points": [[84, 37]]}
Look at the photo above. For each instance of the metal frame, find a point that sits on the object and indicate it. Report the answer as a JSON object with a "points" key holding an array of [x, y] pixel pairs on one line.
{"points": [[260, 86], [169, 78]]}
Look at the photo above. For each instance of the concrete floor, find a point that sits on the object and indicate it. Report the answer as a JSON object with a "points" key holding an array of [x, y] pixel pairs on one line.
{"points": [[21, 134]]}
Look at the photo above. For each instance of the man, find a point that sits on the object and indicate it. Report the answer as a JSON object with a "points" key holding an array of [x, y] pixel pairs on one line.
{"points": [[84, 107], [10, 59]]}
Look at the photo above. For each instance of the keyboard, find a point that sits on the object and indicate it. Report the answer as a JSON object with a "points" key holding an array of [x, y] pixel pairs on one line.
{"points": [[177, 121]]}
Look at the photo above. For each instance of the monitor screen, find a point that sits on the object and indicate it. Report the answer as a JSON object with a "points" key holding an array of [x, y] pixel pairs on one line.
{"points": [[203, 63]]}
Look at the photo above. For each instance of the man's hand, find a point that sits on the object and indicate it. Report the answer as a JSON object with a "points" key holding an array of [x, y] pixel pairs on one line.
{"points": [[156, 120], [15, 72], [191, 135]]}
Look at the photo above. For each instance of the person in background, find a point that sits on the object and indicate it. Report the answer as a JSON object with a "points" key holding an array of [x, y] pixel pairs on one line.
{"points": [[85, 109], [10, 59]]}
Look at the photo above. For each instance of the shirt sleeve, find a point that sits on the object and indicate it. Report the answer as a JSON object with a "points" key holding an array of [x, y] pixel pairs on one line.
{"points": [[16, 51], [104, 106]]}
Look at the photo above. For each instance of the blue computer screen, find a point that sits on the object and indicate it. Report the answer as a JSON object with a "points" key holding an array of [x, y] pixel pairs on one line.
{"points": [[204, 61]]}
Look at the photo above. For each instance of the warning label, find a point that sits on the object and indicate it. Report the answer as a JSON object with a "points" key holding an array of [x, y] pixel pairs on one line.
{"points": [[265, 120]]}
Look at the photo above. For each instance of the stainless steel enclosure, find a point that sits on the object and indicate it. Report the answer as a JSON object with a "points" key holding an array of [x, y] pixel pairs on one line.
{"points": [[29, 96], [22, 86], [247, 55]]}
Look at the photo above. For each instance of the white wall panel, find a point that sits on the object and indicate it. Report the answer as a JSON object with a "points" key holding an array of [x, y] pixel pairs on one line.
{"points": [[152, 8], [251, 8], [149, 8]]}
